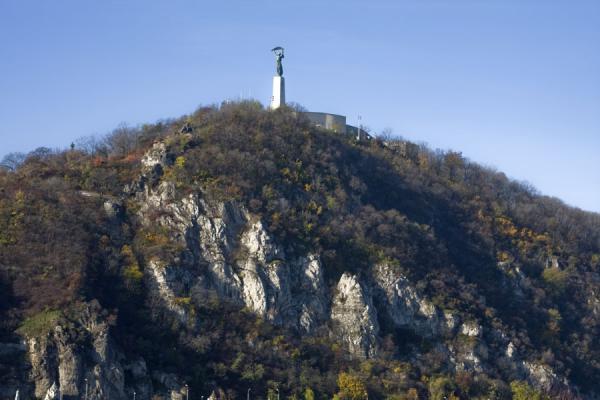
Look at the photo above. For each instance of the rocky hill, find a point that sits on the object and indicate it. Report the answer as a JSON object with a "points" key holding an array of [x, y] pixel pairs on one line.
{"points": [[237, 248]]}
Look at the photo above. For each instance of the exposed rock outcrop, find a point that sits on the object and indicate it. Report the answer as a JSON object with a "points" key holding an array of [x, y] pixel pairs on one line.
{"points": [[354, 317], [407, 308], [61, 360], [543, 377], [226, 249]]}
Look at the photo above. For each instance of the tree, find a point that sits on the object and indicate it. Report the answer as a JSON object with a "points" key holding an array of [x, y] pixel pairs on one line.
{"points": [[122, 140], [522, 391], [90, 145], [309, 394], [351, 387], [12, 161], [40, 153], [441, 387]]}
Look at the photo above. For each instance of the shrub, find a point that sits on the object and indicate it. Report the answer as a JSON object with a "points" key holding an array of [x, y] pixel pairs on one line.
{"points": [[40, 323]]}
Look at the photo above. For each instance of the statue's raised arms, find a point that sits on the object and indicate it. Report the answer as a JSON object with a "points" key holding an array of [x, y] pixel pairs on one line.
{"points": [[278, 56]]}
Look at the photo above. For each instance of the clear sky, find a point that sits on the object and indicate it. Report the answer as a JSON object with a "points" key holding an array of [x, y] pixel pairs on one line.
{"points": [[513, 84]]}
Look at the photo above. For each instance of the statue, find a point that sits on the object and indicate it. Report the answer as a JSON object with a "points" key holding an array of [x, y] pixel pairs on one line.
{"points": [[278, 56]]}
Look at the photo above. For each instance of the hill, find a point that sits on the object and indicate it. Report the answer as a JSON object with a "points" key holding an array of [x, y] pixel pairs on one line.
{"points": [[239, 248]]}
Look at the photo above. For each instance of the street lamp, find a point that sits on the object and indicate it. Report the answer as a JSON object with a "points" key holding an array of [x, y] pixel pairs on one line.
{"points": [[248, 394], [187, 392], [277, 389], [86, 389], [134, 395]]}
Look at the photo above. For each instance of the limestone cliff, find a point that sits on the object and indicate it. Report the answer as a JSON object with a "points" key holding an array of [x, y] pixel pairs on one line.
{"points": [[191, 245], [227, 249], [76, 356]]}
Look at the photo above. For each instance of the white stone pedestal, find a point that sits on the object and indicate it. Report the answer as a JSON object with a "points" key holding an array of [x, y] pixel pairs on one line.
{"points": [[278, 98]]}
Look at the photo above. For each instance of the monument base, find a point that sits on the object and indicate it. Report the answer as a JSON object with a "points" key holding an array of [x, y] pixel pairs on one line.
{"points": [[278, 98]]}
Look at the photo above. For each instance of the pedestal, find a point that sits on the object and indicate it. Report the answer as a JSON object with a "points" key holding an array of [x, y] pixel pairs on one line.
{"points": [[278, 98]]}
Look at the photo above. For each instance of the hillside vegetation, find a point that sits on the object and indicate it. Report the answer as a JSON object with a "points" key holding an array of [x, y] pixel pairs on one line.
{"points": [[491, 250]]}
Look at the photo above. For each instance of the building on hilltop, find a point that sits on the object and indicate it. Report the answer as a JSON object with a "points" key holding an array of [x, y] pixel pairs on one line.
{"points": [[334, 122]]}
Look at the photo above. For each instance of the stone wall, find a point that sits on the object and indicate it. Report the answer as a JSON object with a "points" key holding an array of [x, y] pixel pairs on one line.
{"points": [[334, 122]]}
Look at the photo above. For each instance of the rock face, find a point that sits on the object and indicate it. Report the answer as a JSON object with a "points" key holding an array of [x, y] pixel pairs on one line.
{"points": [[59, 361], [354, 317], [542, 376], [407, 308], [223, 248], [52, 393], [228, 250]]}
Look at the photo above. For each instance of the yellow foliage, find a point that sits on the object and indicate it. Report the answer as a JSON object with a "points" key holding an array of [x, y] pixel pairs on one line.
{"points": [[554, 320], [309, 394], [331, 203], [268, 192], [542, 237], [295, 354], [19, 198], [412, 394], [277, 340], [286, 172], [180, 162], [314, 207], [183, 301], [308, 227], [126, 251], [276, 218], [351, 387], [156, 239], [522, 391], [132, 272], [506, 226], [503, 256]]}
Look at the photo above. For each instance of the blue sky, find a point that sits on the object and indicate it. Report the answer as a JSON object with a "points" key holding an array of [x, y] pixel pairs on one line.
{"points": [[513, 84]]}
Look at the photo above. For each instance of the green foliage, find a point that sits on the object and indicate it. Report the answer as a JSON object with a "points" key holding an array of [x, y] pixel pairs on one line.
{"points": [[40, 323], [253, 372], [441, 387], [556, 279], [131, 270], [522, 391]]}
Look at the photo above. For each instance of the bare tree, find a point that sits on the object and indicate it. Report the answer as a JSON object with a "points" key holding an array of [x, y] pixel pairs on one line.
{"points": [[122, 140], [12, 161], [41, 153], [91, 144], [386, 135]]}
